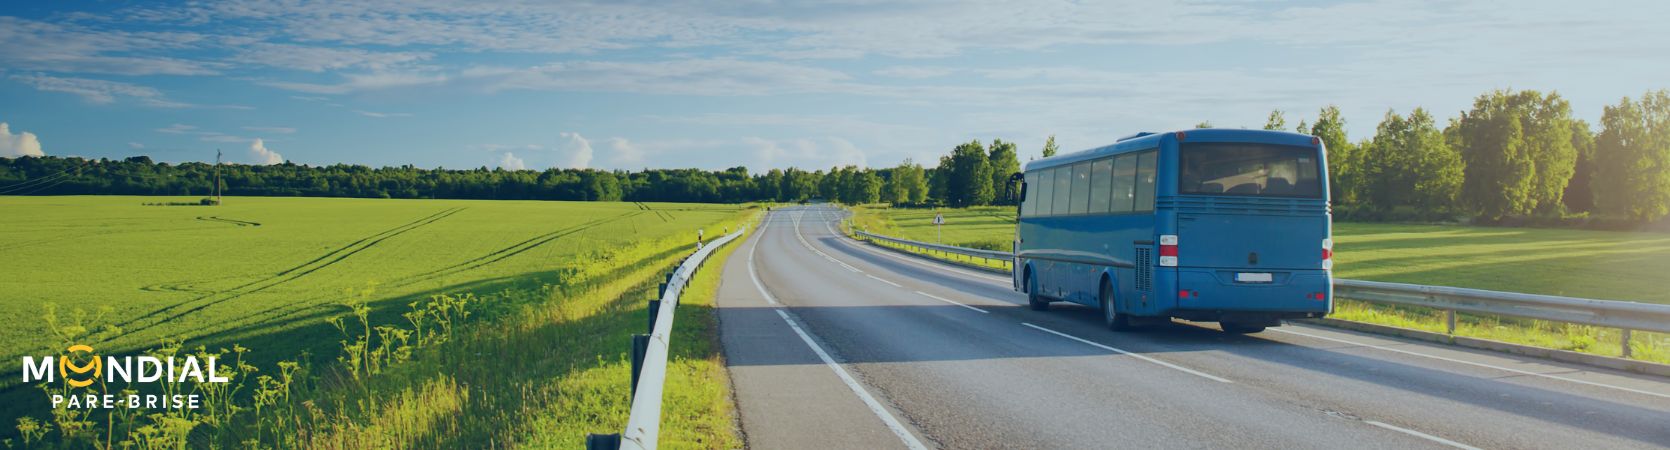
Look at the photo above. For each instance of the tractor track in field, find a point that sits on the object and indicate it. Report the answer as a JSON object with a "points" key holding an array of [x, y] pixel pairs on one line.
{"points": [[474, 263], [291, 274], [513, 250], [218, 219]]}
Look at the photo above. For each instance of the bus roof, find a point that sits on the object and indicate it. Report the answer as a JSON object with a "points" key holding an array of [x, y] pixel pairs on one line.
{"points": [[1140, 141]]}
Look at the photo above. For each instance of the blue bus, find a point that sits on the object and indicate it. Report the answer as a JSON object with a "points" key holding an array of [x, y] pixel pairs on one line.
{"points": [[1205, 225]]}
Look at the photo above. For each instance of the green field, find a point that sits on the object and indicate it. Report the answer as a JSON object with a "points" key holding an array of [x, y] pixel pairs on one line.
{"points": [[268, 273], [1579, 263]]}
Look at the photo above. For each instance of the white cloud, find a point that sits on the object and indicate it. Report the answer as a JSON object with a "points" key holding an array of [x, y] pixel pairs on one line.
{"points": [[381, 115], [59, 46], [178, 128], [363, 82], [276, 130], [136, 146], [99, 91], [625, 155], [806, 153], [21, 144], [509, 161], [260, 155], [320, 59], [915, 72], [577, 149], [716, 76]]}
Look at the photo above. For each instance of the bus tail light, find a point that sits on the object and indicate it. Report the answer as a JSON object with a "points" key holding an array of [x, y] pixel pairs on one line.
{"points": [[1168, 250], [1318, 296], [1327, 254]]}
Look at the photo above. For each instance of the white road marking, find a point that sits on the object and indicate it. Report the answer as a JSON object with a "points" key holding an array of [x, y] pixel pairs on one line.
{"points": [[808, 246], [873, 277], [751, 272], [875, 406], [1421, 435], [1470, 363], [935, 297], [881, 412], [1126, 353]]}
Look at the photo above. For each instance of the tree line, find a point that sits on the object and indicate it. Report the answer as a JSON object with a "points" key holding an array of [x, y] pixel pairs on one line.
{"points": [[1513, 155]]}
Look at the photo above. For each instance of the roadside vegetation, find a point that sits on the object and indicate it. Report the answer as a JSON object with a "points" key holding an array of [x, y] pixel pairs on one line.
{"points": [[517, 336], [1606, 265]]}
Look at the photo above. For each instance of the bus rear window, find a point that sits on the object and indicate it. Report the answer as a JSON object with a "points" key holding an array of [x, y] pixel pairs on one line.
{"points": [[1249, 169]]}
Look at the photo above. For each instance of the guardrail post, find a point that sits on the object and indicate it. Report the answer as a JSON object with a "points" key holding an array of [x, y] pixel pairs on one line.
{"points": [[1449, 321], [1624, 339], [654, 310], [640, 345], [596, 441]]}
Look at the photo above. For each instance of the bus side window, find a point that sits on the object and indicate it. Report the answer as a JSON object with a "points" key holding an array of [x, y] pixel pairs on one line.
{"points": [[1101, 185], [1046, 192], [1080, 196], [1124, 183], [1145, 181], [1063, 190], [1029, 204]]}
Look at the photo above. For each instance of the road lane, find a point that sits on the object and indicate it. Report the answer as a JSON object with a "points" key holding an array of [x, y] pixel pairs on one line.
{"points": [[961, 377]]}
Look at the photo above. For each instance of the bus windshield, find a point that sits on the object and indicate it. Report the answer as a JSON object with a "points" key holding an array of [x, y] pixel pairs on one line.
{"points": [[1250, 170]]}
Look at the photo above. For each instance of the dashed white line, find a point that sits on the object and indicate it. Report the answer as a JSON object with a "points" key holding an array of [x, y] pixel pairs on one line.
{"points": [[1420, 435], [935, 297], [873, 277], [1138, 356], [1470, 363]]}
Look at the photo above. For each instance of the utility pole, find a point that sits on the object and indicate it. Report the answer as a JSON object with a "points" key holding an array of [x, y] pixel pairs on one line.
{"points": [[217, 177]]}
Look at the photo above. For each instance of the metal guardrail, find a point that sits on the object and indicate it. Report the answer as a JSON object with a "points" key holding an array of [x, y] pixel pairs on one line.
{"points": [[950, 249], [649, 358], [1623, 315]]}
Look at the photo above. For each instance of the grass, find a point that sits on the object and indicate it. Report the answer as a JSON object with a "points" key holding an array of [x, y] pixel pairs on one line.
{"points": [[1579, 263], [553, 289]]}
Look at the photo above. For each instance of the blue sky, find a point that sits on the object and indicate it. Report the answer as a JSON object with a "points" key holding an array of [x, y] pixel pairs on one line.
{"points": [[764, 84]]}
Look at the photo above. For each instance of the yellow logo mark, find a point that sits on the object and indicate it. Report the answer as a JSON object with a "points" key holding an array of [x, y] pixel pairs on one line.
{"points": [[95, 366]]}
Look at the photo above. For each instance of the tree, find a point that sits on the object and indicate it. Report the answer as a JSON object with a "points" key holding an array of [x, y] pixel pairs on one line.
{"points": [[868, 187], [1579, 197], [969, 182], [1049, 146], [1003, 161], [1632, 158], [1408, 164], [1518, 150], [1302, 128], [908, 184], [1344, 158], [1276, 121], [1204, 124]]}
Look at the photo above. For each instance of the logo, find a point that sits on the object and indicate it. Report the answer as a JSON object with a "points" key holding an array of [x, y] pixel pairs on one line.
{"points": [[79, 367], [66, 366]]}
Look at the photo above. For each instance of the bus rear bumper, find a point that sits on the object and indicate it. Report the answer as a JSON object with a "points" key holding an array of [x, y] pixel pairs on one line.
{"points": [[1211, 295]]}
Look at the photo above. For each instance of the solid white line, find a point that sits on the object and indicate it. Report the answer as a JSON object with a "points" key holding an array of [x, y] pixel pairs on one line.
{"points": [[935, 297], [1144, 358], [1421, 435], [873, 277], [755, 274], [875, 406], [1470, 363]]}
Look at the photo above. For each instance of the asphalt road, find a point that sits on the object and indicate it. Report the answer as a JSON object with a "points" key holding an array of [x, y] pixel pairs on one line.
{"points": [[832, 343]]}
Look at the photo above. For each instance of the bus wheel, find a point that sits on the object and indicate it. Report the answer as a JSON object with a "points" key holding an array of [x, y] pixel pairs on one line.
{"points": [[1236, 328], [1114, 320], [1037, 302]]}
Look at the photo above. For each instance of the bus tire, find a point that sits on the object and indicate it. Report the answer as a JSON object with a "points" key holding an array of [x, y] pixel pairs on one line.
{"points": [[1115, 321], [1033, 300], [1236, 328]]}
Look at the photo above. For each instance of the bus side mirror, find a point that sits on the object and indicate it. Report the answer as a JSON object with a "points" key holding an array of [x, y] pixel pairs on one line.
{"points": [[1010, 191]]}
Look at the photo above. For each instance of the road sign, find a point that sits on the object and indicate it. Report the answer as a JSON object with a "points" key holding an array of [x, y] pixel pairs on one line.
{"points": [[939, 219]]}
